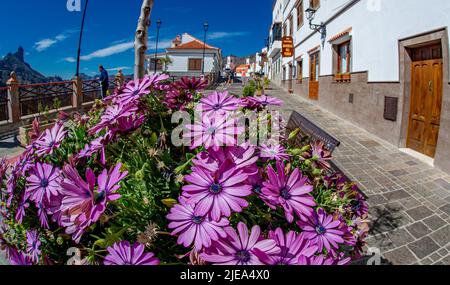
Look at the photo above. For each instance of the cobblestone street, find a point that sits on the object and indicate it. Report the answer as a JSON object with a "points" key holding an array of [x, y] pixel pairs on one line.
{"points": [[409, 200]]}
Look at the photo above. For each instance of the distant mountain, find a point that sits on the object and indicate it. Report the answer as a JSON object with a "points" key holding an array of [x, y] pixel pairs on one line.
{"points": [[25, 73], [84, 76]]}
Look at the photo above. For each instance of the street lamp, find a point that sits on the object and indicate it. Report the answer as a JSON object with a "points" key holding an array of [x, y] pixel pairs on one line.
{"points": [[158, 27], [81, 37], [310, 14], [205, 27]]}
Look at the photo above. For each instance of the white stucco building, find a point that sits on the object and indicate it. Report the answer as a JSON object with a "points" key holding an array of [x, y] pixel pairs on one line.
{"points": [[382, 64], [186, 57]]}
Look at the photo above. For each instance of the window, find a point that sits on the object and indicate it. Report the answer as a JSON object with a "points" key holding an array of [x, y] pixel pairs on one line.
{"points": [[314, 67], [195, 64], [299, 14], [343, 62], [314, 4], [291, 25], [299, 71]]}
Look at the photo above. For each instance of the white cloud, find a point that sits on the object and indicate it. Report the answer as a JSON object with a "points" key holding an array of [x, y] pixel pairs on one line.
{"points": [[70, 59], [112, 50], [161, 44], [45, 44], [222, 35], [117, 68], [120, 47]]}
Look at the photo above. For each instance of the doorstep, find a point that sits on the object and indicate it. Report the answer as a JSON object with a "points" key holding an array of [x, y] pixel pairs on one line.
{"points": [[417, 155]]}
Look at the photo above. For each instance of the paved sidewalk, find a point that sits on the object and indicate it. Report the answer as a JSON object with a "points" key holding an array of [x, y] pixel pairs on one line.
{"points": [[409, 200]]}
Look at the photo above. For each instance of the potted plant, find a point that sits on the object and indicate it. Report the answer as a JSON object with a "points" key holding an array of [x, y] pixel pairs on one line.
{"points": [[266, 83]]}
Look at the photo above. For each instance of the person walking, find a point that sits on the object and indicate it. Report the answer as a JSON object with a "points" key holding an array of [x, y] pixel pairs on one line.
{"points": [[104, 81], [119, 79]]}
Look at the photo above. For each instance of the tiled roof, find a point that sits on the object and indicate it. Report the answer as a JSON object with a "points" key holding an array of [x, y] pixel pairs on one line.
{"points": [[195, 44], [340, 35]]}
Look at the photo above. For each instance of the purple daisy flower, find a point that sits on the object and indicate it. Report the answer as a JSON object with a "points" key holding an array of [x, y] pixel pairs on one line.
{"points": [[262, 102], [33, 244], [273, 152], [323, 230], [43, 182], [292, 246], [96, 146], [193, 229], [239, 248], [42, 214], [82, 206], [218, 103], [18, 258], [243, 157], [122, 253], [192, 84], [176, 99], [21, 208], [133, 91], [217, 193], [111, 116], [320, 155], [129, 124], [213, 132], [51, 140], [290, 192], [108, 184]]}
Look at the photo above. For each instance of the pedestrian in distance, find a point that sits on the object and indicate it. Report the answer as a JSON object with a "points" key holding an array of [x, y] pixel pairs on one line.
{"points": [[104, 81]]}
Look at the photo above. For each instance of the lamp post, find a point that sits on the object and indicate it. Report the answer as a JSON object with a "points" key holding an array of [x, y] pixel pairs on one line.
{"points": [[205, 27], [310, 14], [158, 27], [81, 37]]}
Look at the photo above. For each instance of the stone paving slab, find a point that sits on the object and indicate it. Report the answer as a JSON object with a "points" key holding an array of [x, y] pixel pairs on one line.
{"points": [[409, 200]]}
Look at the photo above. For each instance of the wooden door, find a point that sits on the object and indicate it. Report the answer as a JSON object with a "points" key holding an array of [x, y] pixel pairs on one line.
{"points": [[290, 86], [426, 103], [314, 76]]}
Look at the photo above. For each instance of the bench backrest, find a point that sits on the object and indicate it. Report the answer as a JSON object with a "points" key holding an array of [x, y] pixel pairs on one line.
{"points": [[310, 131]]}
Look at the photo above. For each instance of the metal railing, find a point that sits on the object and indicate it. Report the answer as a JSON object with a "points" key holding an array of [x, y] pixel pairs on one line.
{"points": [[4, 110], [91, 90], [37, 98]]}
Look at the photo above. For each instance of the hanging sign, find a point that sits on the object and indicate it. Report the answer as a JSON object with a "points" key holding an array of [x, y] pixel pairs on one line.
{"points": [[287, 47]]}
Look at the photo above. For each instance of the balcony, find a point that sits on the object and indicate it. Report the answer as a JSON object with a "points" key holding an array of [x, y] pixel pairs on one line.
{"points": [[275, 41], [275, 48]]}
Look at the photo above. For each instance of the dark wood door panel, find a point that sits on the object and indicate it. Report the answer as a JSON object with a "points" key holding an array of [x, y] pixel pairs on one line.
{"points": [[426, 103]]}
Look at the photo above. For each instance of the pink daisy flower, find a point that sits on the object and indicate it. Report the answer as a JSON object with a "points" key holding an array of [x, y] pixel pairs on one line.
{"points": [[218, 103], [122, 253], [43, 182], [217, 194], [50, 140], [323, 230], [240, 248], [193, 229], [290, 192]]}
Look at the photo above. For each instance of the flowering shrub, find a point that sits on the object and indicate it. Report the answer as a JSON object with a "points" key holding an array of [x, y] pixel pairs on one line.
{"points": [[112, 189]]}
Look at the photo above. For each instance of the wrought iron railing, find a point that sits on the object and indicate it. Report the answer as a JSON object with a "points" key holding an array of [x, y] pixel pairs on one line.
{"points": [[4, 115], [39, 98], [91, 90]]}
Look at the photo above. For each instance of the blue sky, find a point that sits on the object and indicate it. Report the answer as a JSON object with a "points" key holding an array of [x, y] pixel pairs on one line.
{"points": [[49, 32]]}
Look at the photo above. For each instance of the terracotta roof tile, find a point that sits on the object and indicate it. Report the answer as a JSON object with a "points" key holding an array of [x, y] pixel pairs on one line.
{"points": [[340, 35]]}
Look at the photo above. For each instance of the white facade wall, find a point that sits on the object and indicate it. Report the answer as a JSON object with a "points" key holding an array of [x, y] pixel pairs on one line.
{"points": [[377, 26], [180, 61]]}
